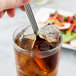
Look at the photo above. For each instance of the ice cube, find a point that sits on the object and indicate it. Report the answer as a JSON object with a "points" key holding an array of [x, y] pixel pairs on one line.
{"points": [[27, 41], [50, 33], [52, 37], [48, 28]]}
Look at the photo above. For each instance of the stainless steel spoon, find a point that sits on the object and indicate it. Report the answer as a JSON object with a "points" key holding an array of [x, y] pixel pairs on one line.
{"points": [[31, 18]]}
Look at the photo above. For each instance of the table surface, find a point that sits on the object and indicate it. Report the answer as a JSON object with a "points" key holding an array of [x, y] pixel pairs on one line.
{"points": [[67, 65]]}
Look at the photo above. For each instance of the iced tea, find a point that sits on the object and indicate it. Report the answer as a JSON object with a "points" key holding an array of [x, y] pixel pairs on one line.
{"points": [[36, 58]]}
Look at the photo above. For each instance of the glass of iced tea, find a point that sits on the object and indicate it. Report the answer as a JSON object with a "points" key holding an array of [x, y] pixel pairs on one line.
{"points": [[37, 55]]}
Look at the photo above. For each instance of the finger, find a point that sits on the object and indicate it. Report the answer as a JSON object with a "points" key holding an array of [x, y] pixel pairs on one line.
{"points": [[11, 12], [2, 14], [22, 8], [8, 4], [21, 2]]}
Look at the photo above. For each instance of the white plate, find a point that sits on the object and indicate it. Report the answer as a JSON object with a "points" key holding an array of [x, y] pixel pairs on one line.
{"points": [[43, 15]]}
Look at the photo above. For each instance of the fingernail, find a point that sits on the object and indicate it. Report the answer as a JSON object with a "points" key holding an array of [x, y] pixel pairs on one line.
{"points": [[25, 1]]}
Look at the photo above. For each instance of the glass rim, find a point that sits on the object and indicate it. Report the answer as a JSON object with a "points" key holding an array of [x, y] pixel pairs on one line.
{"points": [[24, 50]]}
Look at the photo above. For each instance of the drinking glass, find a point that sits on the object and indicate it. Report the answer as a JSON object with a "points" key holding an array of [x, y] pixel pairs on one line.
{"points": [[35, 63]]}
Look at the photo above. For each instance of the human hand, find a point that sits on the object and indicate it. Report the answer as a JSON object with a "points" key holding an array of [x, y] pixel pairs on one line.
{"points": [[10, 6]]}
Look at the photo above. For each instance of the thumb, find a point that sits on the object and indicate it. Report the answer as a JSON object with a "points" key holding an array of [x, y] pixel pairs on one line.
{"points": [[8, 4]]}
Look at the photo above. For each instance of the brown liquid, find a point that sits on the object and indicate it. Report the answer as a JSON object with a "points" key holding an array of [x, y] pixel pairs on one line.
{"points": [[28, 66]]}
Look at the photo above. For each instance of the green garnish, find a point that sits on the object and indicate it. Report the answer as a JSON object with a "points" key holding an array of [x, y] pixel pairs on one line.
{"points": [[69, 37], [50, 21], [65, 18]]}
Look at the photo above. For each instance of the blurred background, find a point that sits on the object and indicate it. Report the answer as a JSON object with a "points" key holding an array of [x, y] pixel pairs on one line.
{"points": [[8, 25]]}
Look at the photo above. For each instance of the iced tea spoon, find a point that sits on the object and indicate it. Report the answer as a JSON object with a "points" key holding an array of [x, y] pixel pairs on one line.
{"points": [[31, 18]]}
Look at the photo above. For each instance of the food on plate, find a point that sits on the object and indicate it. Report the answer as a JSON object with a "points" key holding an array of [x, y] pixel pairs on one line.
{"points": [[66, 24]]}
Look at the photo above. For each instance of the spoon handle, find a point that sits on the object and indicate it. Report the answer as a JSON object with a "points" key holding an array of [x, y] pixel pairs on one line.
{"points": [[31, 17]]}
